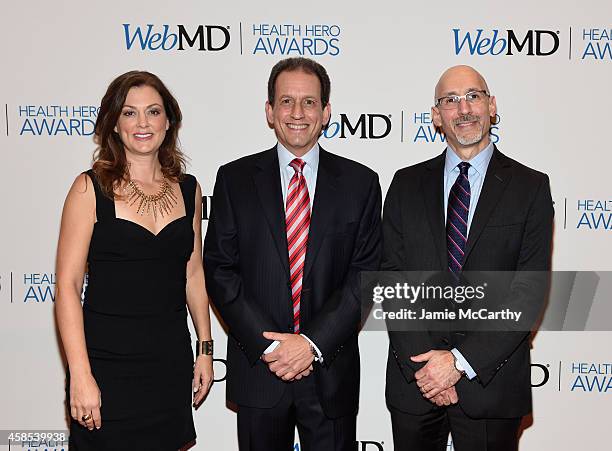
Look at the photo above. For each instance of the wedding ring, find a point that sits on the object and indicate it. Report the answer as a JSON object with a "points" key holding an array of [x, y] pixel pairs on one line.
{"points": [[86, 417]]}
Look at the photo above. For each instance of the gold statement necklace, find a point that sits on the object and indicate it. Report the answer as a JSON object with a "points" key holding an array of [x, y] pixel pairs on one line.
{"points": [[161, 203]]}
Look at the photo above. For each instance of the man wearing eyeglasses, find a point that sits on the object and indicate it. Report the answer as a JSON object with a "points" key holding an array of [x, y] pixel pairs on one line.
{"points": [[469, 209]]}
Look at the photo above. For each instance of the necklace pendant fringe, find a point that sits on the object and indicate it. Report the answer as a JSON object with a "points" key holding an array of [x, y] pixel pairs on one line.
{"points": [[162, 202]]}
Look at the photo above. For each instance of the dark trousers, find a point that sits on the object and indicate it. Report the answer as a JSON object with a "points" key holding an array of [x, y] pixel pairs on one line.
{"points": [[429, 432], [273, 429]]}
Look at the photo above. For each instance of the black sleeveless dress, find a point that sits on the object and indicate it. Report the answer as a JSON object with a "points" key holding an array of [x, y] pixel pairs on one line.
{"points": [[135, 321]]}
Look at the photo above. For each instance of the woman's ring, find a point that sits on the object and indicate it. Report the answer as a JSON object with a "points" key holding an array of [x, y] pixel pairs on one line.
{"points": [[86, 417]]}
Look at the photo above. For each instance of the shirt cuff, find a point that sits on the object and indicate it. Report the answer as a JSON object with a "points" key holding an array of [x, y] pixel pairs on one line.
{"points": [[469, 371], [319, 356], [272, 347]]}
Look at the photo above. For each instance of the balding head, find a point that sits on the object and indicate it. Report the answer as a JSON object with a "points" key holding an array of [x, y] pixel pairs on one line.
{"points": [[467, 121], [463, 75]]}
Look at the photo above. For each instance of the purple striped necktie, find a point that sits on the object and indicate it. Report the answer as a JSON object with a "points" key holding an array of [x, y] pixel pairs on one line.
{"points": [[297, 219], [457, 219]]}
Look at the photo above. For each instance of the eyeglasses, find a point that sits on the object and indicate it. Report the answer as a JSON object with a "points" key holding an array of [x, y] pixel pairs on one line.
{"points": [[452, 102]]}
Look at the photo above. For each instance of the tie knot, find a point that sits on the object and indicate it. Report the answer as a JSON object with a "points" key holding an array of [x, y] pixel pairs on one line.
{"points": [[298, 165], [463, 167]]}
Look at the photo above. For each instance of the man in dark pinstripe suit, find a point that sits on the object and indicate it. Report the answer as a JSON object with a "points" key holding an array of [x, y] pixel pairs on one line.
{"points": [[291, 229]]}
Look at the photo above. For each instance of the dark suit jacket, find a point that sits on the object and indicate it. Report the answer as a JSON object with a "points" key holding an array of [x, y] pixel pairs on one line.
{"points": [[511, 231], [247, 273]]}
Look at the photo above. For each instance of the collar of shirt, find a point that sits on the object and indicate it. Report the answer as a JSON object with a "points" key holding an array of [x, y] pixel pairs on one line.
{"points": [[311, 158], [478, 164]]}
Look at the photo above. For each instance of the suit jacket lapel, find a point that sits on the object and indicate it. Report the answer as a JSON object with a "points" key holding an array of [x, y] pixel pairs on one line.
{"points": [[268, 185], [324, 204], [433, 194], [496, 180]]}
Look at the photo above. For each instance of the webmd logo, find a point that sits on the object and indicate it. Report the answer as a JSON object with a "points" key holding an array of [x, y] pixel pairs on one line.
{"points": [[362, 126], [505, 42], [211, 38], [206, 207]]}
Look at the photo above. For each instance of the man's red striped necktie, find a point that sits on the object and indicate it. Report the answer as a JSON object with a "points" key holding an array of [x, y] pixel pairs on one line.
{"points": [[297, 218]]}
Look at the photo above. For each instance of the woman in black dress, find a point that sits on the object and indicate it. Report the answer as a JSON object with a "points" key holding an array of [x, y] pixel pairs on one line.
{"points": [[133, 222]]}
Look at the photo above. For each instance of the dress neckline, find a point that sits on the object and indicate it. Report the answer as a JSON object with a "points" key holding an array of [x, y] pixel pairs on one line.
{"points": [[151, 232]]}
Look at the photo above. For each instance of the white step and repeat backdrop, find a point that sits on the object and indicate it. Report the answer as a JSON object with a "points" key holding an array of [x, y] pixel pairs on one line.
{"points": [[549, 63]]}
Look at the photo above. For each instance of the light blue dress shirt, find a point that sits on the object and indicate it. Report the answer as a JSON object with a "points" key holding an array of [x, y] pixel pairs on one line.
{"points": [[476, 175], [311, 158]]}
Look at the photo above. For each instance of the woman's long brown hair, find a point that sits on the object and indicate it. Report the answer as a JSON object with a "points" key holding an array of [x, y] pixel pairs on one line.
{"points": [[109, 161]]}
